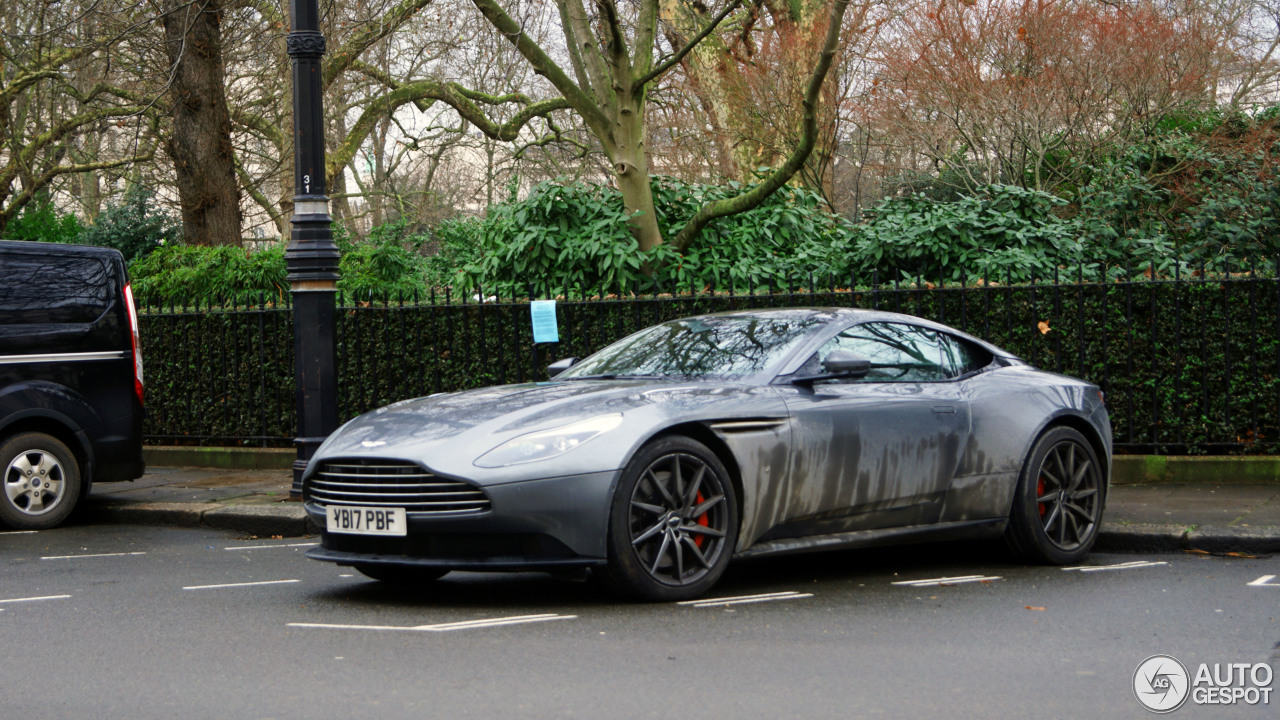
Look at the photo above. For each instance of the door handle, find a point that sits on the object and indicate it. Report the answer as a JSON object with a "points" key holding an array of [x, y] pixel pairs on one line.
{"points": [[948, 409]]}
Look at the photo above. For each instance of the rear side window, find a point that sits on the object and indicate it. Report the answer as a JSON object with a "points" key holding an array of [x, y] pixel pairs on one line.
{"points": [[46, 289], [961, 357]]}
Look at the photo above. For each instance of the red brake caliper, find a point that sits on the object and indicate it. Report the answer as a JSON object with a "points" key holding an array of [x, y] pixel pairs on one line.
{"points": [[1040, 493], [702, 520]]}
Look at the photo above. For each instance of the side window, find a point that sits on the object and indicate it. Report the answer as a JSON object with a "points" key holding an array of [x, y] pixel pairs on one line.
{"points": [[54, 288], [898, 353], [961, 357]]}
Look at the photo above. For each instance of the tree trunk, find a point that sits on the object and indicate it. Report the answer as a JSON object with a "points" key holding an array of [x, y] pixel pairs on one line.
{"points": [[630, 160], [200, 142]]}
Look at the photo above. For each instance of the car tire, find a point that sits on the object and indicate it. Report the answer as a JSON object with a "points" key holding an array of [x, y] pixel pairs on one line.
{"points": [[41, 481], [406, 575], [1057, 508], [673, 522]]}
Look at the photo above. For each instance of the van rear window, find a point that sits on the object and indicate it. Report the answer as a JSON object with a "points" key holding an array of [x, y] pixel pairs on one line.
{"points": [[54, 289]]}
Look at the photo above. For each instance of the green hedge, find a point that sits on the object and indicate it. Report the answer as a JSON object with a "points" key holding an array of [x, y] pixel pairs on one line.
{"points": [[1186, 366]]}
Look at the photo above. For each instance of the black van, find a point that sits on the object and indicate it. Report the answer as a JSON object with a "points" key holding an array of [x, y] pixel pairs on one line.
{"points": [[70, 379]]}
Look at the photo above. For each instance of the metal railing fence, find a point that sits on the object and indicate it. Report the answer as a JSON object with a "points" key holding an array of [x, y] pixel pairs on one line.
{"points": [[1188, 364]]}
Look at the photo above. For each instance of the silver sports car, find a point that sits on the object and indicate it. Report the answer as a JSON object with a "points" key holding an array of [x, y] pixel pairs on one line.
{"points": [[661, 457]]}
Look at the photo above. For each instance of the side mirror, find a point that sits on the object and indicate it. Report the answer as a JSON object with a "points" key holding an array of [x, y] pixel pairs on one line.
{"points": [[560, 366], [846, 364], [838, 365]]}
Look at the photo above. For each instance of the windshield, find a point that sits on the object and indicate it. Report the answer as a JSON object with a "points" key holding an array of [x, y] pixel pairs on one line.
{"points": [[715, 347]]}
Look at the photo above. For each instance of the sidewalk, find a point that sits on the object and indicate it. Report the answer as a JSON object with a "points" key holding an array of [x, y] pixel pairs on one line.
{"points": [[1139, 518]]}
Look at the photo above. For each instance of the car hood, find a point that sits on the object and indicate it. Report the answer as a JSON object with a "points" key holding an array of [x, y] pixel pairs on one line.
{"points": [[447, 432]]}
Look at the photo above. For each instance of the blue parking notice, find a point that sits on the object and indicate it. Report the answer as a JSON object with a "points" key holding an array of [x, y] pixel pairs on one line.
{"points": [[545, 329]]}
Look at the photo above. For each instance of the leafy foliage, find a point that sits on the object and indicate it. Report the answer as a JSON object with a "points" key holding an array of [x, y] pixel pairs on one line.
{"points": [[574, 238], [185, 274], [133, 226], [41, 222], [383, 263]]}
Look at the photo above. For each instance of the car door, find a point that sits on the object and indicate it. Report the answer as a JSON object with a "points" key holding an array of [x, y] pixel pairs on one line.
{"points": [[881, 450]]}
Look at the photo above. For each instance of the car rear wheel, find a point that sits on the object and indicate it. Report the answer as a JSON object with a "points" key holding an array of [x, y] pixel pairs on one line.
{"points": [[1057, 508], [673, 523], [41, 481], [401, 574]]}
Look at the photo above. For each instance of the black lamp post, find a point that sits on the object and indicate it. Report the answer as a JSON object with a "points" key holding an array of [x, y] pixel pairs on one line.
{"points": [[312, 257]]}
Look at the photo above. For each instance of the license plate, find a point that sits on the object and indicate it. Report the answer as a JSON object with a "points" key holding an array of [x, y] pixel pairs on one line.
{"points": [[366, 520]]}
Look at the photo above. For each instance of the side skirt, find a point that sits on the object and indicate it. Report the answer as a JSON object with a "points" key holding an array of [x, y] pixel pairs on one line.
{"points": [[966, 530]]}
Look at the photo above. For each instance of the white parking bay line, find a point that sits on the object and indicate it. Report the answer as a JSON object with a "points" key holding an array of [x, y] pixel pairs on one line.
{"points": [[959, 580], [445, 627], [267, 547], [1133, 565], [33, 599], [243, 584], [1264, 581], [96, 555], [746, 599]]}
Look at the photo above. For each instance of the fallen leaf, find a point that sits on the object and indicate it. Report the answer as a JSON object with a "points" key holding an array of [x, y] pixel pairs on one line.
{"points": [[1037, 608], [1044, 327]]}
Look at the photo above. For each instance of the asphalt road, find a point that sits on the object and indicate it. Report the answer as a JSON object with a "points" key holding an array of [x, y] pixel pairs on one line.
{"points": [[122, 622]]}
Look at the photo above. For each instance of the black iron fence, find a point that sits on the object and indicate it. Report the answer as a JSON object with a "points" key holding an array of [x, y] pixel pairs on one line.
{"points": [[1188, 365]]}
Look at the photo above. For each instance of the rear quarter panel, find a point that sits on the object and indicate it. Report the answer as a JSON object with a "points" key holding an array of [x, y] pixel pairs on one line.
{"points": [[1011, 407]]}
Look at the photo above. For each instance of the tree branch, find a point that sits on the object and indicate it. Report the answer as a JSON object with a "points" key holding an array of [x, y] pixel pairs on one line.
{"points": [[676, 58], [453, 95], [753, 197], [545, 66]]}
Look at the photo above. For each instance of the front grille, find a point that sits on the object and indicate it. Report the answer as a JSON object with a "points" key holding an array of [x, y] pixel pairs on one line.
{"points": [[387, 483]]}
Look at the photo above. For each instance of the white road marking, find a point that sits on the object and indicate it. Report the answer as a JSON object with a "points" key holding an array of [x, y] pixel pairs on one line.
{"points": [[33, 599], [263, 547], [243, 584], [445, 627], [1264, 581], [1134, 565], [19, 532], [934, 582], [745, 599], [98, 555]]}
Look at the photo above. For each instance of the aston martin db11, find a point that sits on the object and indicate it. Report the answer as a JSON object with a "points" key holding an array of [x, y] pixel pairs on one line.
{"points": [[665, 455]]}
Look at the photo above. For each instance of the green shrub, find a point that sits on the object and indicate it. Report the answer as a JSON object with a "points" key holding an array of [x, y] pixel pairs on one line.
{"points": [[575, 238], [185, 274], [1004, 233], [384, 263], [133, 226], [41, 222]]}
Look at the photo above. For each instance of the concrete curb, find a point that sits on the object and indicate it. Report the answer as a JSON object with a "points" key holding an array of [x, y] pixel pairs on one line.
{"points": [[1177, 538], [284, 520]]}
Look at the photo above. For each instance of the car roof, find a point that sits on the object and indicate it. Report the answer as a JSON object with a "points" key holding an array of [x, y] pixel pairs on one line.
{"points": [[51, 248], [858, 315]]}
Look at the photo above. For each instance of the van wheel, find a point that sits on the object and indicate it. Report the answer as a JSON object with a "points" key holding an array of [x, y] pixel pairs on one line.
{"points": [[41, 481]]}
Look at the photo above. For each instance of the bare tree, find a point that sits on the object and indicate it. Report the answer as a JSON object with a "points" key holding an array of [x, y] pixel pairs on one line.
{"points": [[59, 85]]}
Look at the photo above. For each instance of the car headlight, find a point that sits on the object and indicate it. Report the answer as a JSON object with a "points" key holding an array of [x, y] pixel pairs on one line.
{"points": [[545, 444]]}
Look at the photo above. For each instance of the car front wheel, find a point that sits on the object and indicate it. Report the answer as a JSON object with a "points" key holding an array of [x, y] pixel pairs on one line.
{"points": [[1057, 509], [41, 481], [673, 523]]}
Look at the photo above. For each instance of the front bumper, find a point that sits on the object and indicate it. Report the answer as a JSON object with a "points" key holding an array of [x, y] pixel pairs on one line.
{"points": [[551, 522]]}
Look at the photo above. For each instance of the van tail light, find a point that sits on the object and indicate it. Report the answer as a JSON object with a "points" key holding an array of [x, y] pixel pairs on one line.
{"points": [[137, 349]]}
